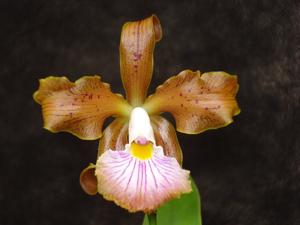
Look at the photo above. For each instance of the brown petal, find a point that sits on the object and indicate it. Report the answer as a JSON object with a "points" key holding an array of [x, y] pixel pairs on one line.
{"points": [[88, 180], [136, 57], [79, 108], [198, 103], [165, 136], [115, 136]]}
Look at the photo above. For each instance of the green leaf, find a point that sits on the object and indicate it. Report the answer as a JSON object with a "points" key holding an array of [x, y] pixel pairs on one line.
{"points": [[183, 211]]}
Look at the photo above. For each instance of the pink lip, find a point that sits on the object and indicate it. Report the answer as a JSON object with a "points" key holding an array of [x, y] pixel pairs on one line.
{"points": [[141, 141]]}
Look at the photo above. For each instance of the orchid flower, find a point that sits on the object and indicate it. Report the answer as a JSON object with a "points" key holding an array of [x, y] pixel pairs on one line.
{"points": [[139, 164]]}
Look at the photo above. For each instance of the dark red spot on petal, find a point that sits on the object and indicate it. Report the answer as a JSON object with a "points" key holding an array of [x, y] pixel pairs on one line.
{"points": [[137, 56]]}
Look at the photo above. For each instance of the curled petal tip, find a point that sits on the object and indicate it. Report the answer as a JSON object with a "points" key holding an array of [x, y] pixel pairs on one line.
{"points": [[137, 44], [157, 28], [88, 180]]}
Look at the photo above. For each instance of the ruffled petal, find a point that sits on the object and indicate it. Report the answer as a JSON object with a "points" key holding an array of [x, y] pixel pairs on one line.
{"points": [[140, 185], [136, 57], [198, 103], [88, 180], [79, 108], [115, 136], [165, 136]]}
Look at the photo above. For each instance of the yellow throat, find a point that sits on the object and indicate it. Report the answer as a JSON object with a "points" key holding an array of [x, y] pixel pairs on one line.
{"points": [[142, 152]]}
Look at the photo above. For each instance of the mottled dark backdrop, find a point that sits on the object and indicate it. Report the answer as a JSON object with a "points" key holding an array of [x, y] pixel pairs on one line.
{"points": [[248, 173]]}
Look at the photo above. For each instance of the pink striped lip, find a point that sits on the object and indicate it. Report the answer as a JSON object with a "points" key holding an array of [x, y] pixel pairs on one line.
{"points": [[140, 185]]}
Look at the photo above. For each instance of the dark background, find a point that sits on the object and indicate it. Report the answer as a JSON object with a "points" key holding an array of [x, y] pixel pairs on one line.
{"points": [[247, 173]]}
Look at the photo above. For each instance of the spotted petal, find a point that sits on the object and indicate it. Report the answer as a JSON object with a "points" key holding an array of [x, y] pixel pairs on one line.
{"points": [[79, 108], [198, 103], [165, 136], [136, 57], [140, 185]]}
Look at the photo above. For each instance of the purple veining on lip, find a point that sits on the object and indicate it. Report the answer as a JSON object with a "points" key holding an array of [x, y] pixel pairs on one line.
{"points": [[140, 184], [145, 170], [138, 178], [142, 178], [132, 172], [121, 175], [158, 170], [164, 163], [152, 174], [141, 141], [163, 166]]}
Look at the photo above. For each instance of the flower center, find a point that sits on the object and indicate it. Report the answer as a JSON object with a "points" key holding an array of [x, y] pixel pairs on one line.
{"points": [[140, 128], [141, 151], [141, 136]]}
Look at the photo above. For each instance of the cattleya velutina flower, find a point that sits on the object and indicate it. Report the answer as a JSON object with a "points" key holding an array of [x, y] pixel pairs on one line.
{"points": [[139, 164]]}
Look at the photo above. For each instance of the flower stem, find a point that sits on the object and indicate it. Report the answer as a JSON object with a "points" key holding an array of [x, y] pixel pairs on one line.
{"points": [[152, 219]]}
